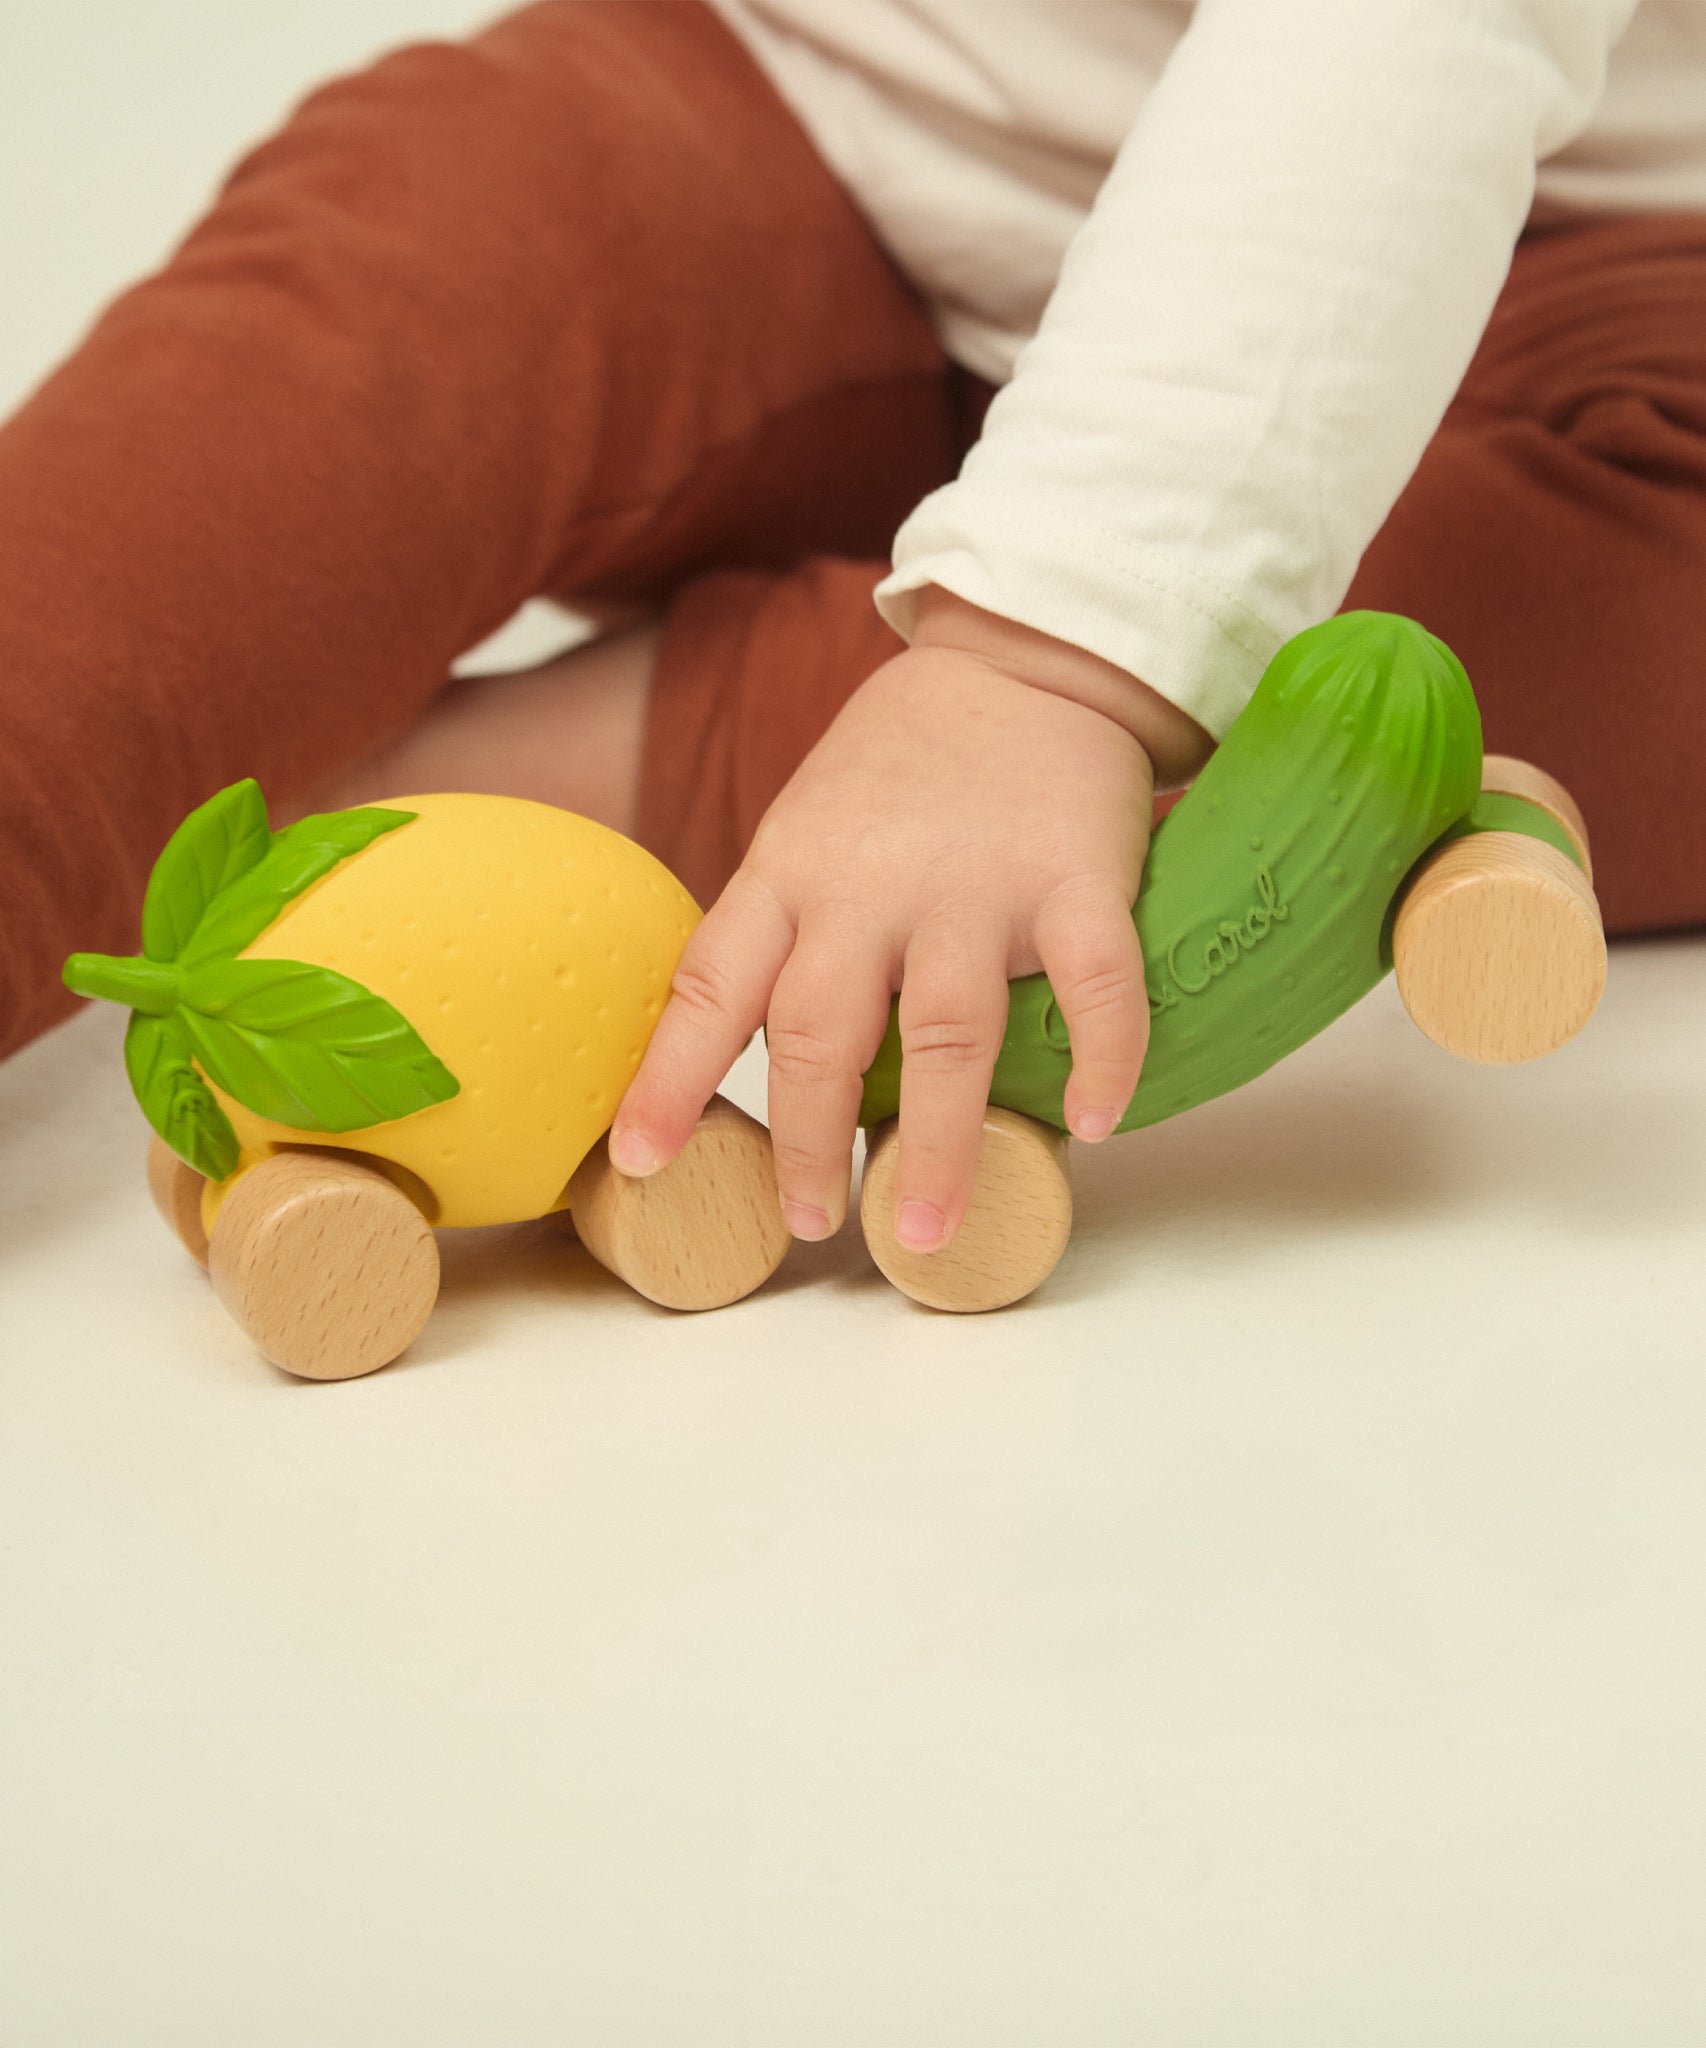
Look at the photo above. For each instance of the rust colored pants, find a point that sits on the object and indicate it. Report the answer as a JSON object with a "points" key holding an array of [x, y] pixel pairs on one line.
{"points": [[575, 309]]}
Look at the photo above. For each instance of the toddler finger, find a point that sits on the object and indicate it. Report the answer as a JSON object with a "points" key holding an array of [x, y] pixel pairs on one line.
{"points": [[720, 991], [827, 1018], [953, 1011], [1089, 949]]}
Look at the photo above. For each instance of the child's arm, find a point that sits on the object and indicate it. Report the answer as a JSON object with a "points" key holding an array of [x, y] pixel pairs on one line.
{"points": [[1254, 336], [1258, 328]]}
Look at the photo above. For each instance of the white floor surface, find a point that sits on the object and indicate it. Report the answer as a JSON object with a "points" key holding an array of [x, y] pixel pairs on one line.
{"points": [[1289, 1627]]}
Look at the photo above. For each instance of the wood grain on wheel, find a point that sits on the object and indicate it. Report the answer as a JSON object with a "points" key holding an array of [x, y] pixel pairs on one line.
{"points": [[176, 1189], [330, 1268], [1016, 1225], [1504, 775], [1499, 949], [701, 1232]]}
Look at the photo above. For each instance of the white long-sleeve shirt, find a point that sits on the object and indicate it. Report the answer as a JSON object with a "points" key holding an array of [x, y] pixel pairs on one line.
{"points": [[1230, 259]]}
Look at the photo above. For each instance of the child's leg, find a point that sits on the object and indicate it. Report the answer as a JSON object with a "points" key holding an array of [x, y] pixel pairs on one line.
{"points": [[751, 670], [567, 732], [1555, 537], [573, 308], [677, 734]]}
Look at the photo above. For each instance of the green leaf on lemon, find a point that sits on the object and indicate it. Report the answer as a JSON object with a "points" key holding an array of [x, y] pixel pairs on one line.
{"points": [[308, 1047], [302, 1045], [297, 857], [174, 1098], [223, 839]]}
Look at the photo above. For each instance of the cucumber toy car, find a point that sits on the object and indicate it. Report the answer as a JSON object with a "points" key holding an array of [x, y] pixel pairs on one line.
{"points": [[1346, 824], [423, 1014]]}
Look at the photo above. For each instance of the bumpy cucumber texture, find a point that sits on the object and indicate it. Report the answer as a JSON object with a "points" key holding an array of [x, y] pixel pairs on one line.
{"points": [[1267, 900]]}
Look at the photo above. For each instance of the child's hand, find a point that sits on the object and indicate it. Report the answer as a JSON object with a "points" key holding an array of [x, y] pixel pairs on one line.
{"points": [[979, 809]]}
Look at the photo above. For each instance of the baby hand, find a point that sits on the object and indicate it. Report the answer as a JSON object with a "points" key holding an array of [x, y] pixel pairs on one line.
{"points": [[979, 809]]}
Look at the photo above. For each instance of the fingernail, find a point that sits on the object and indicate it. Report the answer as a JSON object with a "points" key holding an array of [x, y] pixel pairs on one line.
{"points": [[918, 1225], [1092, 1124], [632, 1151], [805, 1221]]}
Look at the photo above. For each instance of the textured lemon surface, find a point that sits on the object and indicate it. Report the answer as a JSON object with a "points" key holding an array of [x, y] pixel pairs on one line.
{"points": [[532, 950]]}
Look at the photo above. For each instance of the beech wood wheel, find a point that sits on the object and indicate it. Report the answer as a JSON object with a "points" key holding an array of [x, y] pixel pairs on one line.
{"points": [[176, 1189], [1015, 1228], [1504, 775], [701, 1232], [328, 1265], [1498, 944]]}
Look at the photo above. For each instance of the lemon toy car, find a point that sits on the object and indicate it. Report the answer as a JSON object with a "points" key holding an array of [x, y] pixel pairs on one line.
{"points": [[423, 1014]]}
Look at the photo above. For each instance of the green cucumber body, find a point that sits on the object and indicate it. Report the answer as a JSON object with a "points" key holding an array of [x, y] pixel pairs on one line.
{"points": [[1266, 904]]}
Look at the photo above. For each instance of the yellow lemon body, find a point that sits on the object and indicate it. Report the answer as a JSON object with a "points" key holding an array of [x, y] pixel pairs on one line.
{"points": [[532, 950]]}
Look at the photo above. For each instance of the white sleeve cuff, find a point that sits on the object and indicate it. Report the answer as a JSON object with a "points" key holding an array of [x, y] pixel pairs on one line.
{"points": [[1191, 641]]}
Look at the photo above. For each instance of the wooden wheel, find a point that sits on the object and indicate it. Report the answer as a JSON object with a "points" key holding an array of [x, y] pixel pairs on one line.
{"points": [[328, 1265], [1499, 948], [1015, 1228], [1504, 775], [176, 1189], [701, 1232]]}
